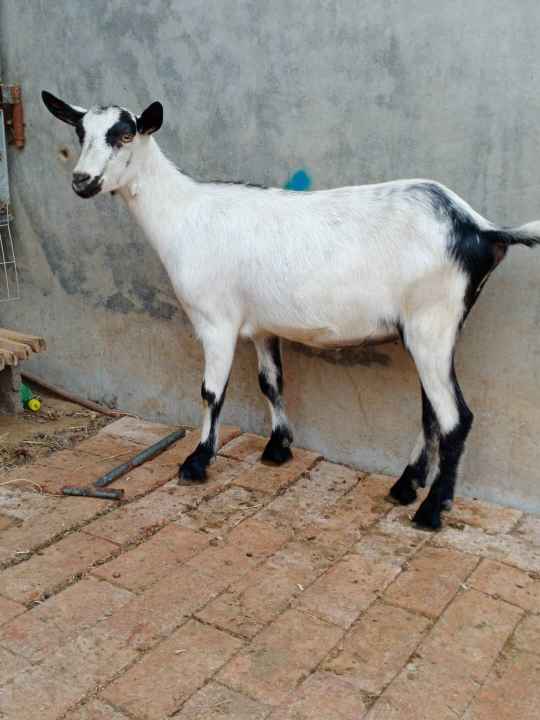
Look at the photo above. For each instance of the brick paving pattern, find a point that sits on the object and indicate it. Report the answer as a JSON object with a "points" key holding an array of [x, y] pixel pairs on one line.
{"points": [[291, 593]]}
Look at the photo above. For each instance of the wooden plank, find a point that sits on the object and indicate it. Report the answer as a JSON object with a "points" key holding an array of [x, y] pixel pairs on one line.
{"points": [[8, 358], [37, 344], [22, 351]]}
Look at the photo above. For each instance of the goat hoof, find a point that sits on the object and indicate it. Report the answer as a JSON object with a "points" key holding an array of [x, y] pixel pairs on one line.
{"points": [[403, 492], [428, 517], [276, 453], [192, 470], [447, 505]]}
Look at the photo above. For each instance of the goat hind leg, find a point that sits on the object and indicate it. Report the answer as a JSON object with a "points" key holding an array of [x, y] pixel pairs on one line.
{"points": [[218, 356], [278, 449], [455, 420], [422, 457]]}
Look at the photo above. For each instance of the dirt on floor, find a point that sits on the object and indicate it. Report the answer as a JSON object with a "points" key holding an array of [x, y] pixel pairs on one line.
{"points": [[58, 425]]}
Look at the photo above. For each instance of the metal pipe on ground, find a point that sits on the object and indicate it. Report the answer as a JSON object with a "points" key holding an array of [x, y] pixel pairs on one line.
{"points": [[148, 453]]}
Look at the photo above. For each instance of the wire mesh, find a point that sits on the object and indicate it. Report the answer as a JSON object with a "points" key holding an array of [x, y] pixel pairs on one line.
{"points": [[9, 280]]}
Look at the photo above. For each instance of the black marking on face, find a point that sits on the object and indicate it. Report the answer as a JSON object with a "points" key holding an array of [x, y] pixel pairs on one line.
{"points": [[79, 129], [91, 189], [125, 125]]}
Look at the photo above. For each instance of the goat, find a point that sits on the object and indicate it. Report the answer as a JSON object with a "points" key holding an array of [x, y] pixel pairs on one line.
{"points": [[328, 269]]}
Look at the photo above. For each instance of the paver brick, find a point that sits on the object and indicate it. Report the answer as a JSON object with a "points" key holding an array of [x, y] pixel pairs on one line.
{"points": [[246, 448], [37, 633], [527, 635], [509, 549], [19, 499], [50, 689], [258, 597], [153, 559], [216, 702], [508, 583], [486, 516], [529, 529], [349, 587], [96, 710], [323, 695], [512, 690], [272, 478], [109, 447], [343, 523], [310, 499], [377, 647], [431, 580], [222, 512], [10, 666], [221, 474], [131, 522], [31, 480], [9, 610], [70, 467], [389, 549], [280, 656], [137, 431], [443, 675], [5, 522], [143, 480], [245, 546], [161, 609], [62, 515], [166, 676], [42, 573]]}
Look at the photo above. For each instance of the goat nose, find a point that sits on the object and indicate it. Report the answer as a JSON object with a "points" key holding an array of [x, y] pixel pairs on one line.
{"points": [[80, 178]]}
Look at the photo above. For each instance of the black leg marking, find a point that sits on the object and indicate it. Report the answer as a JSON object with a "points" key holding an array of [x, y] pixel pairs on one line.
{"points": [[415, 475], [193, 469], [278, 450], [451, 448]]}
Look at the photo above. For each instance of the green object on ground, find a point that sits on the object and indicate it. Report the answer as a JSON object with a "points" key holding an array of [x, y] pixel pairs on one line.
{"points": [[28, 400]]}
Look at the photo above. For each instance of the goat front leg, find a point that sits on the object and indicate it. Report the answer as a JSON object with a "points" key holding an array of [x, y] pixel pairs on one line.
{"points": [[218, 345], [278, 448]]}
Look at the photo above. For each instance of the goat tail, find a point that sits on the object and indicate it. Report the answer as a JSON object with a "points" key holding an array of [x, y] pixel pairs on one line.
{"points": [[528, 235]]}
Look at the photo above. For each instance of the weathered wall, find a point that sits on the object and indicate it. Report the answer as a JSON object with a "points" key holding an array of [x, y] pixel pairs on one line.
{"points": [[353, 91]]}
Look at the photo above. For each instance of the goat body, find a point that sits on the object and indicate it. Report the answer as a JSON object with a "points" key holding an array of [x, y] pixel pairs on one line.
{"points": [[327, 269]]}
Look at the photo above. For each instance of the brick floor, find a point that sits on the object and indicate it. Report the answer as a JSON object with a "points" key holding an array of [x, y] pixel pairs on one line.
{"points": [[267, 593]]}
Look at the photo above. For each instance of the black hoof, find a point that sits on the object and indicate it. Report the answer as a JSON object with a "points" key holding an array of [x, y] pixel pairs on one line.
{"points": [[276, 453], [193, 469], [447, 505], [427, 516], [403, 490]]}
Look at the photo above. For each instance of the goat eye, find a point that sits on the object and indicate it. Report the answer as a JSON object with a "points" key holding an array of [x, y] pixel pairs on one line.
{"points": [[126, 138]]}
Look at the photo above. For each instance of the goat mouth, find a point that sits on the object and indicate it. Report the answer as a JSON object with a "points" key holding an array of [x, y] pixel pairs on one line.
{"points": [[90, 189]]}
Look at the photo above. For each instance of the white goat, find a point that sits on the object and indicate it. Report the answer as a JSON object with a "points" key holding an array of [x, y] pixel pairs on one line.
{"points": [[327, 269]]}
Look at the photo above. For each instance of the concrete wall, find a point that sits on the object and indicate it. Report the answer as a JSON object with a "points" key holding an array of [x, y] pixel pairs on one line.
{"points": [[352, 91]]}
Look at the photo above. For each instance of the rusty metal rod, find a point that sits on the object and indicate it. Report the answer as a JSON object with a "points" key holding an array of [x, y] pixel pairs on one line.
{"points": [[138, 459], [93, 492]]}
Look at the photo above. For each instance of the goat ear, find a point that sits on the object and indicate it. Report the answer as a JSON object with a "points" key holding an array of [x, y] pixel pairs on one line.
{"points": [[70, 114], [151, 119]]}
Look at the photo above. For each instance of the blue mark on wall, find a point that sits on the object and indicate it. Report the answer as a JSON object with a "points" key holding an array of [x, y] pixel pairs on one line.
{"points": [[299, 180]]}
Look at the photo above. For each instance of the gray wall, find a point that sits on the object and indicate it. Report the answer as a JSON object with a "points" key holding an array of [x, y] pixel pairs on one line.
{"points": [[352, 91]]}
